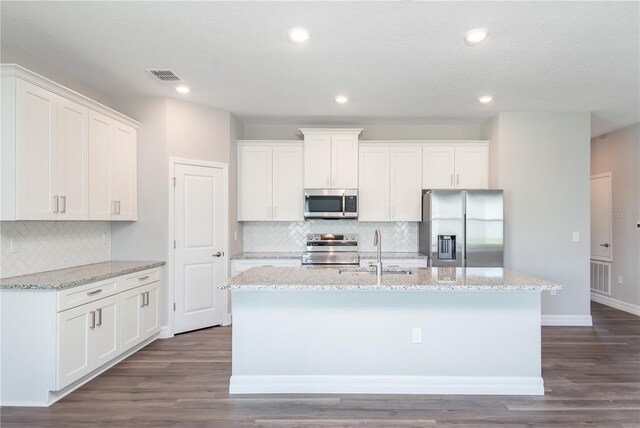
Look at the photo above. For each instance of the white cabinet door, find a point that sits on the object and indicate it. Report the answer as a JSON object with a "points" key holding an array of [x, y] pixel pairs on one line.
{"points": [[100, 138], [438, 167], [344, 161], [74, 344], [35, 151], [406, 180], [130, 318], [373, 189], [150, 319], [317, 161], [287, 183], [124, 180], [255, 183], [472, 167], [106, 344], [72, 159]]}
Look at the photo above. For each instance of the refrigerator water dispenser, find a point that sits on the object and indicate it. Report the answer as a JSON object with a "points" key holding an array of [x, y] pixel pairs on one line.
{"points": [[446, 247]]}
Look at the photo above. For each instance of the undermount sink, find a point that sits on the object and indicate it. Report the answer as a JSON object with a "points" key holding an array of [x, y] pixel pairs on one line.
{"points": [[389, 270]]}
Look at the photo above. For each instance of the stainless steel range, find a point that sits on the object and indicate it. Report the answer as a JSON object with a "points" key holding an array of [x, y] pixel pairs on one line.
{"points": [[331, 249]]}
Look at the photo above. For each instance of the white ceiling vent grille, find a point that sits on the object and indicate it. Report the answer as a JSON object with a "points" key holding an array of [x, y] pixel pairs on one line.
{"points": [[165, 75]]}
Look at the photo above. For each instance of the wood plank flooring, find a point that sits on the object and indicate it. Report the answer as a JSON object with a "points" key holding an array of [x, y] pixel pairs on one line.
{"points": [[591, 375]]}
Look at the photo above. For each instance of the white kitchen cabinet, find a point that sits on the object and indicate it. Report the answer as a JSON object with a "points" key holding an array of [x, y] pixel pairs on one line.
{"points": [[68, 336], [88, 338], [455, 166], [389, 184], [240, 265], [113, 169], [270, 181], [47, 153], [43, 154], [330, 158]]}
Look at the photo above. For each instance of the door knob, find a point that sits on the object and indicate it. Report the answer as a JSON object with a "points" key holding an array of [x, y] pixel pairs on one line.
{"points": [[218, 254], [606, 245]]}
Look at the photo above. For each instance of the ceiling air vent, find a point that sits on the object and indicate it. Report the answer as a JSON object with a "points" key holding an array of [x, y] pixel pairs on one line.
{"points": [[165, 75]]}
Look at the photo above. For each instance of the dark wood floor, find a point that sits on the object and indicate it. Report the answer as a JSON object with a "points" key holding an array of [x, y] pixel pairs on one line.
{"points": [[591, 375]]}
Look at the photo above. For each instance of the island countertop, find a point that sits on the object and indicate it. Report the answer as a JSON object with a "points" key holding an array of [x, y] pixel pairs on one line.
{"points": [[420, 279]]}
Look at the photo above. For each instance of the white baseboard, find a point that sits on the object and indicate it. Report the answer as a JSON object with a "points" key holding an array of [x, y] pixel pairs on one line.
{"points": [[226, 320], [165, 332], [464, 385], [615, 303], [567, 320]]}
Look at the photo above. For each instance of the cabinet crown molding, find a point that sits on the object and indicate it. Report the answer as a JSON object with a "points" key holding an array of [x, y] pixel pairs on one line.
{"points": [[331, 131], [15, 70]]}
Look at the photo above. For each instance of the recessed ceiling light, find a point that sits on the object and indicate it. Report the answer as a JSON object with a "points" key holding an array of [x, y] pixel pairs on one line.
{"points": [[298, 35], [182, 89], [475, 36], [341, 99], [485, 99]]}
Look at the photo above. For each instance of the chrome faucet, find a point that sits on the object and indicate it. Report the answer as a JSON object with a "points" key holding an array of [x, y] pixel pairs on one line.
{"points": [[377, 240]]}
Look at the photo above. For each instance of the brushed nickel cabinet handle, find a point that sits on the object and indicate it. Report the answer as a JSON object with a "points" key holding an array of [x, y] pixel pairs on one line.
{"points": [[142, 303], [113, 207], [457, 179], [55, 204], [93, 319], [147, 293], [142, 278], [117, 207], [63, 204], [94, 292], [99, 317]]}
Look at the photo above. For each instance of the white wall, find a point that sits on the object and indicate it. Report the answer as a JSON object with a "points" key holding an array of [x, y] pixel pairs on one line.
{"points": [[541, 160], [419, 129], [10, 54], [618, 152]]}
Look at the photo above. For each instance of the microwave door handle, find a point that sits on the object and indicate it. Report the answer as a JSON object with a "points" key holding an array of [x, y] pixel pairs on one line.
{"points": [[344, 203]]}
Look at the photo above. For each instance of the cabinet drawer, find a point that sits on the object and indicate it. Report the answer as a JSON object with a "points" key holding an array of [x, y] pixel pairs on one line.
{"points": [[141, 278], [77, 296]]}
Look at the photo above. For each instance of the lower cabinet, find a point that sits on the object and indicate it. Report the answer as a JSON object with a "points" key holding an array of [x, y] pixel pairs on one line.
{"points": [[52, 341]]}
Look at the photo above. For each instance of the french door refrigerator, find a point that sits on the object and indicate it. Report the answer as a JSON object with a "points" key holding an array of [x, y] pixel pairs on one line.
{"points": [[462, 228]]}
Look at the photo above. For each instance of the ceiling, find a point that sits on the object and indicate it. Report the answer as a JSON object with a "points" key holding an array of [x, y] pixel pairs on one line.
{"points": [[395, 60]]}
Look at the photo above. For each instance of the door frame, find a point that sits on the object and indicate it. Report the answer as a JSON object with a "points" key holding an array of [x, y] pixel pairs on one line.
{"points": [[226, 316], [610, 176]]}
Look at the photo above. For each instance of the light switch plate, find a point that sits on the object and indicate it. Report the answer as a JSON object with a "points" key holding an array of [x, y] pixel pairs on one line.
{"points": [[576, 236]]}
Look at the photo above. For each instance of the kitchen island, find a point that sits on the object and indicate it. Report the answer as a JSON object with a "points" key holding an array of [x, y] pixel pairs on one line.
{"points": [[431, 331]]}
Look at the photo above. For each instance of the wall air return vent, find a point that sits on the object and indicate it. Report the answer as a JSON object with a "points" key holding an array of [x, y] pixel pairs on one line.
{"points": [[165, 75]]}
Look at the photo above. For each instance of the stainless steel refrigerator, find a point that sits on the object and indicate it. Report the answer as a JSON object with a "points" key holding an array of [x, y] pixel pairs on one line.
{"points": [[462, 228]]}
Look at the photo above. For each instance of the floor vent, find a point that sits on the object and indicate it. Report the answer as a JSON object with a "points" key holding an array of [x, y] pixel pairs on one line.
{"points": [[165, 75], [601, 277]]}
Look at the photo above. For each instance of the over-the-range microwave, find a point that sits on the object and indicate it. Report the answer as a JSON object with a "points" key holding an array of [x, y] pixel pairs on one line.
{"points": [[331, 203]]}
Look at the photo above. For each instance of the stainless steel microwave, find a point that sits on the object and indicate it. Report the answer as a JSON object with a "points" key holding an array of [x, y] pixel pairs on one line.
{"points": [[331, 203]]}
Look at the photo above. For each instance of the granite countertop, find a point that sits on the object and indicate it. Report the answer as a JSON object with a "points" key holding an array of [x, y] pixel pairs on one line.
{"points": [[421, 279], [291, 256], [75, 276]]}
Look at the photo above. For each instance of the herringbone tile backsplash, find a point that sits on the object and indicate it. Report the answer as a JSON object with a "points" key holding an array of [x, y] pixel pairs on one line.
{"points": [[292, 236], [47, 245]]}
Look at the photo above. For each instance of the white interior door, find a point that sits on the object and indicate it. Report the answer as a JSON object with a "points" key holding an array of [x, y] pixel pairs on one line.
{"points": [[199, 254], [601, 206]]}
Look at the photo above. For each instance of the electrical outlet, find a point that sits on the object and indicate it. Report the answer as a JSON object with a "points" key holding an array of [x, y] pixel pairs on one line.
{"points": [[620, 279], [416, 335], [576, 236], [235, 235], [13, 245]]}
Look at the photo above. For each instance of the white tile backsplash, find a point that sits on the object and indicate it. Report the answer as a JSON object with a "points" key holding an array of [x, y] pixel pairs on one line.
{"points": [[47, 245], [270, 236]]}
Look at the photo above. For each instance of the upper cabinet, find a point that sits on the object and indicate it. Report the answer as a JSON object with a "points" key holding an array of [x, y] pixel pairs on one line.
{"points": [[330, 158], [390, 182], [56, 155], [112, 166], [455, 166], [270, 181]]}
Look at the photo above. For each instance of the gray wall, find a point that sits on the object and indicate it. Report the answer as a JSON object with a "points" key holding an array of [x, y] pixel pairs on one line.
{"points": [[618, 152], [389, 129], [541, 160]]}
